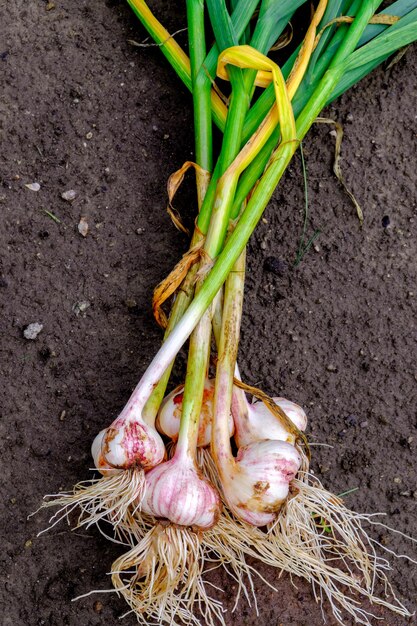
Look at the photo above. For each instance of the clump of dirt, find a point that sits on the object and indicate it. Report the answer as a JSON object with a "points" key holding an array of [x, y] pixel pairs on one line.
{"points": [[84, 111]]}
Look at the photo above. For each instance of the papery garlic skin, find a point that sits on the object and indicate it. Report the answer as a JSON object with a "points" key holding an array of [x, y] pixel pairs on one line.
{"points": [[256, 421], [178, 492], [257, 482], [99, 461], [127, 444], [169, 415]]}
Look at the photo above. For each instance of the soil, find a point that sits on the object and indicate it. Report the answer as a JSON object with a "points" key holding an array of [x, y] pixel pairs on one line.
{"points": [[82, 109]]}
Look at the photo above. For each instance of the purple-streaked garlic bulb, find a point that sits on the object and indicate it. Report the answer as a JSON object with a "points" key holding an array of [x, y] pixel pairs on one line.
{"points": [[126, 444], [254, 422], [169, 416], [177, 491], [256, 483]]}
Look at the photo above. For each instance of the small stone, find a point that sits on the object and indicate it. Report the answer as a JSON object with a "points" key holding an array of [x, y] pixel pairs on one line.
{"points": [[349, 117], [331, 367], [62, 416], [50, 6], [316, 247], [140, 231], [364, 424], [410, 439], [89, 135], [28, 543], [405, 494], [351, 420], [97, 606], [32, 330], [13, 500], [81, 307], [33, 186], [83, 226], [69, 195], [397, 480]]}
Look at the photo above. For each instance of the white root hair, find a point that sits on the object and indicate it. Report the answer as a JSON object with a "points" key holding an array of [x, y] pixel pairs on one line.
{"points": [[111, 498], [163, 575], [161, 578]]}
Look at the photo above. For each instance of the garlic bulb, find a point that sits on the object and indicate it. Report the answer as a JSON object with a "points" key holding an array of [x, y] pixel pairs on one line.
{"points": [[127, 443], [256, 483], [178, 492], [168, 420], [254, 422]]}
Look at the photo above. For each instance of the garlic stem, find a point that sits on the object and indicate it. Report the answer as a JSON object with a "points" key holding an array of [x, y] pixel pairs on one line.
{"points": [[227, 353], [239, 402], [182, 301], [198, 358]]}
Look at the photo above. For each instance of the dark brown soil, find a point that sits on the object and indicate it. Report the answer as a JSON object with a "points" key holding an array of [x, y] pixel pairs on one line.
{"points": [[82, 109]]}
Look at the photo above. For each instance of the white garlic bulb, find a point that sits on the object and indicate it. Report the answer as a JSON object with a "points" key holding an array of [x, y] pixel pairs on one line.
{"points": [[256, 483], [169, 416], [254, 422]]}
